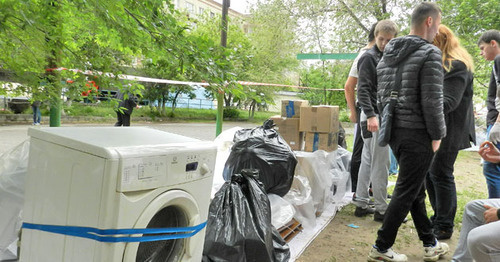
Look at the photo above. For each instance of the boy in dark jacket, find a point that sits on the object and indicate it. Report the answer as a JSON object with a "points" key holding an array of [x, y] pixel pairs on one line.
{"points": [[489, 44], [375, 159]]}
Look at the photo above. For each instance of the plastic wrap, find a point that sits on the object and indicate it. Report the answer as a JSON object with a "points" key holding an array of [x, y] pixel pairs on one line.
{"points": [[300, 197], [262, 148], [224, 141], [13, 169], [239, 224], [341, 177], [282, 211], [315, 167]]}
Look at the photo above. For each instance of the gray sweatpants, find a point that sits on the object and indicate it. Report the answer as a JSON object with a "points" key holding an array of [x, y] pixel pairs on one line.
{"points": [[374, 167], [477, 240]]}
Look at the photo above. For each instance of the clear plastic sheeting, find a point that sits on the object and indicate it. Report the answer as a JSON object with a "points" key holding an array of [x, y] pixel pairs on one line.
{"points": [[282, 211], [13, 169], [316, 168], [224, 142], [301, 199], [341, 182]]}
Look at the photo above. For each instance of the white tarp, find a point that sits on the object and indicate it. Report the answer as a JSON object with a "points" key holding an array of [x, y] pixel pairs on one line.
{"points": [[13, 169]]}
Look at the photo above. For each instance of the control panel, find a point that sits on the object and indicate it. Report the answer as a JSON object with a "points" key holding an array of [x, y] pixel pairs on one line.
{"points": [[149, 172]]}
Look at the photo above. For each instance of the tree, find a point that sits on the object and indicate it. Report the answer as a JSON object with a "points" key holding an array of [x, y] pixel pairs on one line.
{"points": [[329, 77], [469, 19]]}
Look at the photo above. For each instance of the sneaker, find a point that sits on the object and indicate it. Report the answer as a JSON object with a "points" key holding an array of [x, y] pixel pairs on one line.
{"points": [[378, 217], [361, 212], [443, 234], [435, 252], [388, 256]]}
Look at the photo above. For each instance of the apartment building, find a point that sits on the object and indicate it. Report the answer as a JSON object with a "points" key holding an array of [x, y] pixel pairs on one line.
{"points": [[197, 7]]}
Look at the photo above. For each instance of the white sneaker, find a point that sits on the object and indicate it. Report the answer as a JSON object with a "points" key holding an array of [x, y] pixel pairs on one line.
{"points": [[389, 256], [435, 252]]}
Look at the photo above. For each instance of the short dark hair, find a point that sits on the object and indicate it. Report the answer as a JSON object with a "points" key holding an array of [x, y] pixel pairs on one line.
{"points": [[371, 35], [424, 10], [489, 35]]}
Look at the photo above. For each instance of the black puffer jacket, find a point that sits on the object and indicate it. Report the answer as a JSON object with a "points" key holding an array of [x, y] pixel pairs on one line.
{"points": [[420, 100]]}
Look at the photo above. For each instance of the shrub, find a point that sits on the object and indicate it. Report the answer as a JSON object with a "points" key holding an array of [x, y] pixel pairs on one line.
{"points": [[231, 113]]}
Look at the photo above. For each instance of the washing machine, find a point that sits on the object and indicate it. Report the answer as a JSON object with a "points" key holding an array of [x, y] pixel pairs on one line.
{"points": [[113, 179]]}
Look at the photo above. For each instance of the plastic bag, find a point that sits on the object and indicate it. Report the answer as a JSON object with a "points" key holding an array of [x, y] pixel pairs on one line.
{"points": [[13, 169], [224, 141], [301, 199], [262, 148], [282, 211], [315, 167], [239, 224]]}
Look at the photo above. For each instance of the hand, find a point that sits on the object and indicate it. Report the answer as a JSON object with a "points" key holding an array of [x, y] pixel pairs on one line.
{"points": [[490, 215], [495, 133], [489, 152], [435, 145], [372, 124]]}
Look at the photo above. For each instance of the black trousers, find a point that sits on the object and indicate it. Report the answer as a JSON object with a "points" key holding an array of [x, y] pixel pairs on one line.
{"points": [[413, 150], [442, 191], [123, 119], [357, 150]]}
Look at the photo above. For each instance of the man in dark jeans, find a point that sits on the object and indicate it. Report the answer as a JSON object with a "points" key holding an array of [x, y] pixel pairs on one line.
{"points": [[417, 128], [126, 106]]}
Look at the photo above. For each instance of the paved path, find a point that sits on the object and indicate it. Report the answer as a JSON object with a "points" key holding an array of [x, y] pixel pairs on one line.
{"points": [[11, 136]]}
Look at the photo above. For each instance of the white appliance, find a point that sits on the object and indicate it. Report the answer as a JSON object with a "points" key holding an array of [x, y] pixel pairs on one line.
{"points": [[115, 178]]}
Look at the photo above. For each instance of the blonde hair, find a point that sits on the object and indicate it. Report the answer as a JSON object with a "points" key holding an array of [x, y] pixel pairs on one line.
{"points": [[451, 49]]}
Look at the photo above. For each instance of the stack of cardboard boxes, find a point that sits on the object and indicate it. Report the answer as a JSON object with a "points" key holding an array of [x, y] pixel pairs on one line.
{"points": [[308, 128]]}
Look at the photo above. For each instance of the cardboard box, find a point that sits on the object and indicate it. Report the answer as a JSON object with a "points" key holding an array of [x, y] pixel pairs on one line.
{"points": [[321, 141], [291, 108], [321, 119], [288, 128]]}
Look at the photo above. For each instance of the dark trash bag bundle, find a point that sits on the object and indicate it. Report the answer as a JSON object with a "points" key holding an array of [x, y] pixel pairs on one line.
{"points": [[262, 148], [239, 225]]}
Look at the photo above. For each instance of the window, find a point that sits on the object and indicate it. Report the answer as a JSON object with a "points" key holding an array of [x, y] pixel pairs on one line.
{"points": [[201, 10], [190, 7]]}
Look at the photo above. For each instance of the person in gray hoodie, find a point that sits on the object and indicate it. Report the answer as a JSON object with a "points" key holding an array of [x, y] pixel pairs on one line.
{"points": [[414, 64]]}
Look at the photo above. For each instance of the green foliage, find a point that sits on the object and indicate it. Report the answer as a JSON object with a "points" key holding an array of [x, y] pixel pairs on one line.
{"points": [[329, 75], [469, 19], [231, 113]]}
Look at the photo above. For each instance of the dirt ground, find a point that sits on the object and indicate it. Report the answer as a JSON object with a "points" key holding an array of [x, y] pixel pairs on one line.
{"points": [[339, 242]]}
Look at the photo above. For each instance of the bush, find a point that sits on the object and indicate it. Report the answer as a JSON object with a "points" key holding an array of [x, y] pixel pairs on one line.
{"points": [[231, 113], [5, 112]]}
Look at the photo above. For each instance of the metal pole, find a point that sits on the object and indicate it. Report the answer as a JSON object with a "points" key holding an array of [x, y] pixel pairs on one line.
{"points": [[220, 93]]}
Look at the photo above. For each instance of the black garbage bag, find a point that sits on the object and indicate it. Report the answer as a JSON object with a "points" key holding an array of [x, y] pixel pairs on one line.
{"points": [[264, 149], [239, 225]]}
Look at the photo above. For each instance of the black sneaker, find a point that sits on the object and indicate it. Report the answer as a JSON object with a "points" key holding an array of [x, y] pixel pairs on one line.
{"points": [[378, 217], [443, 234], [361, 212]]}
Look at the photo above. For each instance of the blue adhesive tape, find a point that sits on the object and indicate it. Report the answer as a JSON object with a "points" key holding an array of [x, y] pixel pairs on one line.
{"points": [[105, 235]]}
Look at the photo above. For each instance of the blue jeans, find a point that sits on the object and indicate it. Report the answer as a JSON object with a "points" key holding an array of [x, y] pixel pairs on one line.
{"points": [[37, 114], [492, 173], [393, 169]]}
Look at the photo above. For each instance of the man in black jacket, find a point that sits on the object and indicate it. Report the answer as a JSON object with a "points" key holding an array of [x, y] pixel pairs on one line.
{"points": [[125, 107], [417, 129]]}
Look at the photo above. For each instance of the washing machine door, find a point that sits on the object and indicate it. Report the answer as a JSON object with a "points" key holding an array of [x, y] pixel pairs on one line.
{"points": [[171, 209]]}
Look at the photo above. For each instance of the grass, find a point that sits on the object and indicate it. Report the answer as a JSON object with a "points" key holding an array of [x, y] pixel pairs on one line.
{"points": [[106, 110]]}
